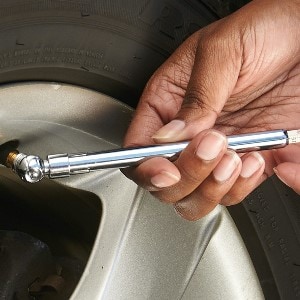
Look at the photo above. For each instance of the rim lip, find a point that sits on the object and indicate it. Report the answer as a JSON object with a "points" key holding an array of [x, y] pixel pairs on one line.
{"points": [[224, 224]]}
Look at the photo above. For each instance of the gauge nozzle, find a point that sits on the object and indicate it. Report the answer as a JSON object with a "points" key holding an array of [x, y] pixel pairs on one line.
{"points": [[30, 168]]}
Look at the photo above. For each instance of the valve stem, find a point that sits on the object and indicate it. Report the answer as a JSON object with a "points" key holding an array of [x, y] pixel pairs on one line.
{"points": [[11, 157]]}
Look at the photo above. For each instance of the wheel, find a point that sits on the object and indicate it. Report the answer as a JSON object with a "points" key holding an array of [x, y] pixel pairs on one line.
{"points": [[61, 63]]}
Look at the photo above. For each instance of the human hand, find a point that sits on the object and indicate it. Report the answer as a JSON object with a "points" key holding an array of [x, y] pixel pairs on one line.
{"points": [[240, 74]]}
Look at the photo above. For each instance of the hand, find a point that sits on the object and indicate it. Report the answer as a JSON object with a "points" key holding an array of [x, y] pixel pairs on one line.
{"points": [[240, 74]]}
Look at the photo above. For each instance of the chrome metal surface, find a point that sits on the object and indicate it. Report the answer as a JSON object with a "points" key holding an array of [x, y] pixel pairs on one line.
{"points": [[29, 168], [63, 165], [258, 141], [143, 250]]}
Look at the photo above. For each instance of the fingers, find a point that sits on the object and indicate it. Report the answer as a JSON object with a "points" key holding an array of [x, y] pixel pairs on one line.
{"points": [[195, 164], [289, 173], [205, 174], [209, 194], [291, 153], [192, 167], [251, 175], [238, 180], [154, 174]]}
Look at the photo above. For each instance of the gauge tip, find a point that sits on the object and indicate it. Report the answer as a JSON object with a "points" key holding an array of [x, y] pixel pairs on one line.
{"points": [[30, 168]]}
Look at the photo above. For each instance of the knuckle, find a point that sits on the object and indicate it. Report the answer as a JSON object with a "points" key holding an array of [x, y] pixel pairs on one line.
{"points": [[197, 99], [190, 175], [188, 209], [167, 195], [190, 216], [193, 169], [209, 196], [194, 207], [231, 199], [194, 98]]}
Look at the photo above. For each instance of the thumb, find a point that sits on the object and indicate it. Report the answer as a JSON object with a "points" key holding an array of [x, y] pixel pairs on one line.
{"points": [[289, 173], [214, 75]]}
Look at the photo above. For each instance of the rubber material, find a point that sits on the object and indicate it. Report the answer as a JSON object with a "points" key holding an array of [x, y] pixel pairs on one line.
{"points": [[111, 46], [269, 221], [114, 46]]}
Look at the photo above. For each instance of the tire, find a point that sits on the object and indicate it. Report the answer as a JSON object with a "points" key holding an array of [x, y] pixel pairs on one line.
{"points": [[110, 46], [113, 47], [268, 220]]}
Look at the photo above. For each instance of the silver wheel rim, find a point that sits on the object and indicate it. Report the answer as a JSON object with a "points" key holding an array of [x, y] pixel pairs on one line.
{"points": [[142, 250]]}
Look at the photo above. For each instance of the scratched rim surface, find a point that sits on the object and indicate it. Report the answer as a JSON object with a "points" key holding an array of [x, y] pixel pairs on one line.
{"points": [[143, 250]]}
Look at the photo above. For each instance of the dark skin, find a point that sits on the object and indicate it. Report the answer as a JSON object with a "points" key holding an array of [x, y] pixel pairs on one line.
{"points": [[240, 74]]}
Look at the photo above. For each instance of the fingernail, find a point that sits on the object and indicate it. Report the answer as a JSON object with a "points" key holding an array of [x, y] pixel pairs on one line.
{"points": [[251, 164], [226, 167], [164, 179], [171, 130], [211, 145]]}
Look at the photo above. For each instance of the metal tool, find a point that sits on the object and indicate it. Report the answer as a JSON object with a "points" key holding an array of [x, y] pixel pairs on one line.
{"points": [[32, 168]]}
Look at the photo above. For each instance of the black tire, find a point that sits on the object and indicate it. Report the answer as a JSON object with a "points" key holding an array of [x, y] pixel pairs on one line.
{"points": [[111, 46], [269, 222], [114, 46]]}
